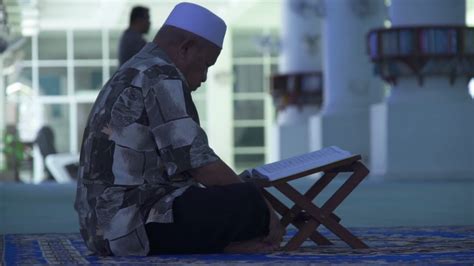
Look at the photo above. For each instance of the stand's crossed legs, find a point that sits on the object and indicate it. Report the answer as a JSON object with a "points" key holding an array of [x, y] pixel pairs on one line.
{"points": [[306, 216]]}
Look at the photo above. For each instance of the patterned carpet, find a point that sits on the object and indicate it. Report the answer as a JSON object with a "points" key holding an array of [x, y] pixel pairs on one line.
{"points": [[405, 245]]}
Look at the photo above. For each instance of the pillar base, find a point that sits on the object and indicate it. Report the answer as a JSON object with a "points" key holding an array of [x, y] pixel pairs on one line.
{"points": [[290, 135], [348, 130], [423, 141], [289, 140]]}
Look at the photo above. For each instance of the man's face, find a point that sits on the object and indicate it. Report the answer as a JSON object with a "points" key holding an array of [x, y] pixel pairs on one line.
{"points": [[196, 62], [145, 23]]}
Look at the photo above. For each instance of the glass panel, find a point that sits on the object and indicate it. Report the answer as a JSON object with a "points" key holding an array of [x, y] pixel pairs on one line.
{"points": [[57, 117], [274, 68], [274, 46], [83, 110], [27, 48], [246, 161], [52, 81], [9, 59], [52, 45], [201, 108], [248, 78], [199, 99], [114, 38], [87, 78], [248, 109], [249, 137], [24, 76], [87, 45], [113, 69], [245, 44]]}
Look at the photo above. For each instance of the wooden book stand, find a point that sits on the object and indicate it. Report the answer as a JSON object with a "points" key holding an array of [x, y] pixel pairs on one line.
{"points": [[305, 215]]}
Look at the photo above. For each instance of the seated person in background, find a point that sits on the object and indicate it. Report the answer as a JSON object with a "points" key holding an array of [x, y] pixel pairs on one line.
{"points": [[148, 181], [61, 166]]}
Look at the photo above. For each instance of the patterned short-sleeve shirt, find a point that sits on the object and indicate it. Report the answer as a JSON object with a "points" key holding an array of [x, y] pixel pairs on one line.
{"points": [[141, 138]]}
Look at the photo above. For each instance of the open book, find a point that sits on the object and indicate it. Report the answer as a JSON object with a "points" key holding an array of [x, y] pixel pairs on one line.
{"points": [[298, 164]]}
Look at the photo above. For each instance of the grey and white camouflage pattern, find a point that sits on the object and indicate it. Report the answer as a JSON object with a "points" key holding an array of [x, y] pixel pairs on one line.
{"points": [[142, 136]]}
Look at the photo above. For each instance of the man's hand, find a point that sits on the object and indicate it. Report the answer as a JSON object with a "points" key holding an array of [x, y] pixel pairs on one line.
{"points": [[245, 175], [216, 173]]}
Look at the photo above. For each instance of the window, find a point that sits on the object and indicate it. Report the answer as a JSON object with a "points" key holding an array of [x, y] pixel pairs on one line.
{"points": [[87, 78], [67, 87], [52, 45], [52, 81], [114, 38], [252, 104], [87, 45], [199, 99], [248, 77], [57, 117], [249, 110], [83, 110], [249, 137]]}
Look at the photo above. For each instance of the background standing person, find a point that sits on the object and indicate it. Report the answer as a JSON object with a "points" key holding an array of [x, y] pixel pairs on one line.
{"points": [[132, 40]]}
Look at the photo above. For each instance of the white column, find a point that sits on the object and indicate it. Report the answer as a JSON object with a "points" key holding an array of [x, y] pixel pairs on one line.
{"points": [[301, 52], [301, 37], [350, 85], [426, 130], [38, 165]]}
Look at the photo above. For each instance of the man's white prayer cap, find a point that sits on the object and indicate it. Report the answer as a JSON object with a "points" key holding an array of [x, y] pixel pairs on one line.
{"points": [[198, 20]]}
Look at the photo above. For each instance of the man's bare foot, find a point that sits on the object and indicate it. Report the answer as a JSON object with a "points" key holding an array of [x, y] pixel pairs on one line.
{"points": [[251, 246], [276, 230]]}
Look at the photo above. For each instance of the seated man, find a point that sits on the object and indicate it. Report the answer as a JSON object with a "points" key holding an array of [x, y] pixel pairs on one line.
{"points": [[148, 181]]}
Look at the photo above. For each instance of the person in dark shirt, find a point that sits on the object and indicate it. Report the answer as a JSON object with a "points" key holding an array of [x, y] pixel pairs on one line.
{"points": [[132, 40]]}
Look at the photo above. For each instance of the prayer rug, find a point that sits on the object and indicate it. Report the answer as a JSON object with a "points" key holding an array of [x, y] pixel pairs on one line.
{"points": [[400, 245]]}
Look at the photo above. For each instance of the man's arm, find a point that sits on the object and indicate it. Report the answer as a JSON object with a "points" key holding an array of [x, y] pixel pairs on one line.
{"points": [[219, 173], [215, 173]]}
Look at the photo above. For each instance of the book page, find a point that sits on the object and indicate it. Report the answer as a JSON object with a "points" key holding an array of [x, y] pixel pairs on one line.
{"points": [[301, 163]]}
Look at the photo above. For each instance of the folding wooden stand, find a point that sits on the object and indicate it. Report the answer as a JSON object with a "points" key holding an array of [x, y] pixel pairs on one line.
{"points": [[305, 215]]}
